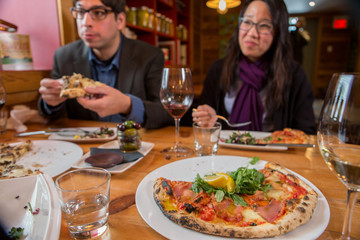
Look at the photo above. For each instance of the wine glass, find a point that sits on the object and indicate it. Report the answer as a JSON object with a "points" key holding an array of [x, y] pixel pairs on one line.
{"points": [[339, 138], [176, 94], [2, 94]]}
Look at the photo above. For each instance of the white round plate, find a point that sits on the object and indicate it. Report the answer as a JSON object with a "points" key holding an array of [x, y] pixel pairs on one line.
{"points": [[40, 192], [186, 170], [50, 156]]}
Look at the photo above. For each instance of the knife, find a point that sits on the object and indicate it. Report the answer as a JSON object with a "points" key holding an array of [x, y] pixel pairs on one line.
{"points": [[294, 145], [65, 133]]}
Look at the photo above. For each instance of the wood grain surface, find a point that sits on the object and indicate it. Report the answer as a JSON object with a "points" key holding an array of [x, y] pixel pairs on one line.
{"points": [[125, 221]]}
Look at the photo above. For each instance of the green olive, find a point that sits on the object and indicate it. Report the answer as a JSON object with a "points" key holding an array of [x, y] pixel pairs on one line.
{"points": [[131, 146], [129, 124], [130, 132]]}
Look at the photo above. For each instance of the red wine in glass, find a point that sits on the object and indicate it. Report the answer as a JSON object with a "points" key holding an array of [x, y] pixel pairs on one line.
{"points": [[176, 110], [176, 94]]}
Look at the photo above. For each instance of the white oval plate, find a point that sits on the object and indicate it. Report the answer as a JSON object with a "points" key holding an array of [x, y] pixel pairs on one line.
{"points": [[186, 170], [55, 136]]}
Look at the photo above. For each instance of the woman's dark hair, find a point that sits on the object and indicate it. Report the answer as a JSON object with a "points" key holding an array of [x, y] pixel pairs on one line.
{"points": [[279, 56], [117, 6]]}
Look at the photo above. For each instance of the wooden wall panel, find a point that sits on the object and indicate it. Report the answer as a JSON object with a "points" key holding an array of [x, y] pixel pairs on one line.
{"points": [[68, 30], [210, 43], [332, 53], [22, 86]]}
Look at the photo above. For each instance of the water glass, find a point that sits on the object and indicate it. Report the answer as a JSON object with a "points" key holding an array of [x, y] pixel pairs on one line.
{"points": [[206, 139], [84, 199], [3, 120]]}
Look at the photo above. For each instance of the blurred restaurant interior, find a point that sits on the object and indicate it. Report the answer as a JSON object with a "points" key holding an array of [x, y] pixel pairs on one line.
{"points": [[189, 32]]}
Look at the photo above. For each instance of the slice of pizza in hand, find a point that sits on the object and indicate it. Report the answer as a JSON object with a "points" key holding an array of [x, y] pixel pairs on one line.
{"points": [[73, 86], [230, 205]]}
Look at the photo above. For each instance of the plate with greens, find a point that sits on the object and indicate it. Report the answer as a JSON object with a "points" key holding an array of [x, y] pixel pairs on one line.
{"points": [[187, 170], [245, 140]]}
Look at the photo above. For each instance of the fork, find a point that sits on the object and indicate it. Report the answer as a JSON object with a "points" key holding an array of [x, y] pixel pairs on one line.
{"points": [[227, 122]]}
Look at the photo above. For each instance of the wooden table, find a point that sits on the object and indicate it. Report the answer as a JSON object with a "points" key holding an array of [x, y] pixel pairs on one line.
{"points": [[128, 224]]}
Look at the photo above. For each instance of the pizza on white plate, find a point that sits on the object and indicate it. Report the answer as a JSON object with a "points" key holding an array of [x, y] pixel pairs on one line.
{"points": [[285, 136], [246, 203], [288, 136]]}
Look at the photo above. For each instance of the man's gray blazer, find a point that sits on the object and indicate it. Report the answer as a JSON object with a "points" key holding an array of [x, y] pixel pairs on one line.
{"points": [[140, 73]]}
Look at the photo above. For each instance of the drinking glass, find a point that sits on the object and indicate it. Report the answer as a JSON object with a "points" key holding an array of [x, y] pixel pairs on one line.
{"points": [[2, 94], [206, 139], [84, 199], [339, 138], [176, 94]]}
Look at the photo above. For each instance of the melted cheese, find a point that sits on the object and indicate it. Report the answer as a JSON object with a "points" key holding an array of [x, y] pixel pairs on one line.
{"points": [[169, 205], [273, 178], [251, 216], [276, 194]]}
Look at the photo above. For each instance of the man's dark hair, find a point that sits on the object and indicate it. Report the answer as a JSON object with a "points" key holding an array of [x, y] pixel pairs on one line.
{"points": [[117, 6]]}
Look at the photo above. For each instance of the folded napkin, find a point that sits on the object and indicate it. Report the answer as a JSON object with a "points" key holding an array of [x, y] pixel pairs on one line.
{"points": [[128, 157], [21, 114]]}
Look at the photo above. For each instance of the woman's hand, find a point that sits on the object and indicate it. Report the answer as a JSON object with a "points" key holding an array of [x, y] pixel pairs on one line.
{"points": [[204, 116], [106, 101]]}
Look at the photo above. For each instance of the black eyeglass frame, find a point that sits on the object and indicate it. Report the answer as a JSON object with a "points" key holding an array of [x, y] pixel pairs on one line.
{"points": [[75, 12], [242, 19]]}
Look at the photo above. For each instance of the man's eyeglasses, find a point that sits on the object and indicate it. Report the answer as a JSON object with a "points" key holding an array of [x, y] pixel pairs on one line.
{"points": [[263, 27], [96, 13]]}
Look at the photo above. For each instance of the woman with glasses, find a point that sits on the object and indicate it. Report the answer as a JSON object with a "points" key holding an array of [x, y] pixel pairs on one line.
{"points": [[258, 80], [131, 70]]}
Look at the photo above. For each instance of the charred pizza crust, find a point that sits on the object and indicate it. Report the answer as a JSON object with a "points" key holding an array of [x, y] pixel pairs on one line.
{"points": [[74, 85], [299, 212]]}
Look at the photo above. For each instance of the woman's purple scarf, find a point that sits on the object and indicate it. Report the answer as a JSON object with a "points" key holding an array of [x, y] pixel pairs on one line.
{"points": [[248, 105]]}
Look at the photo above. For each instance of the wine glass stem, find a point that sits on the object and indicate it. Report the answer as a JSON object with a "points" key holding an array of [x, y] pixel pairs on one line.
{"points": [[177, 126], [350, 202]]}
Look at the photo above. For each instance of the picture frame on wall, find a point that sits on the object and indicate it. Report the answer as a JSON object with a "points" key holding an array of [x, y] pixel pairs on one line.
{"points": [[15, 51], [168, 48]]}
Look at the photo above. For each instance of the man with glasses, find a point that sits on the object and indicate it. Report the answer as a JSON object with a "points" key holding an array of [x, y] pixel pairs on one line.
{"points": [[130, 69]]}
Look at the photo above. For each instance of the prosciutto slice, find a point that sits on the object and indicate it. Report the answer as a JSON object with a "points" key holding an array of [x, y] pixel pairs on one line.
{"points": [[270, 212]]}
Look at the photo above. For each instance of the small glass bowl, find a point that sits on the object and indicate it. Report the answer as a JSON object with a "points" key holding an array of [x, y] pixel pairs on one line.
{"points": [[130, 140]]}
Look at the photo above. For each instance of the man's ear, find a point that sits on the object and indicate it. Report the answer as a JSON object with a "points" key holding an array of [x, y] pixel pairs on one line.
{"points": [[121, 20]]}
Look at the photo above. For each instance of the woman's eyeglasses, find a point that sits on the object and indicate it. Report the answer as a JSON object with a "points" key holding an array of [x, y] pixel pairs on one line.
{"points": [[263, 27], [96, 13]]}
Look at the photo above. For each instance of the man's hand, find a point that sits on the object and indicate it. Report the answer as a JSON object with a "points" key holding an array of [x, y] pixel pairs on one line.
{"points": [[50, 91], [204, 116], [107, 101]]}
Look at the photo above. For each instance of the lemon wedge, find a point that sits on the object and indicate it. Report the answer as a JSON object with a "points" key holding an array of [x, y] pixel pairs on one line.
{"points": [[221, 180]]}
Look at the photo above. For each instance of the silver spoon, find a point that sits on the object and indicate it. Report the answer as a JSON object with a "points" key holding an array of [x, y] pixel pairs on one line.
{"points": [[227, 122]]}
